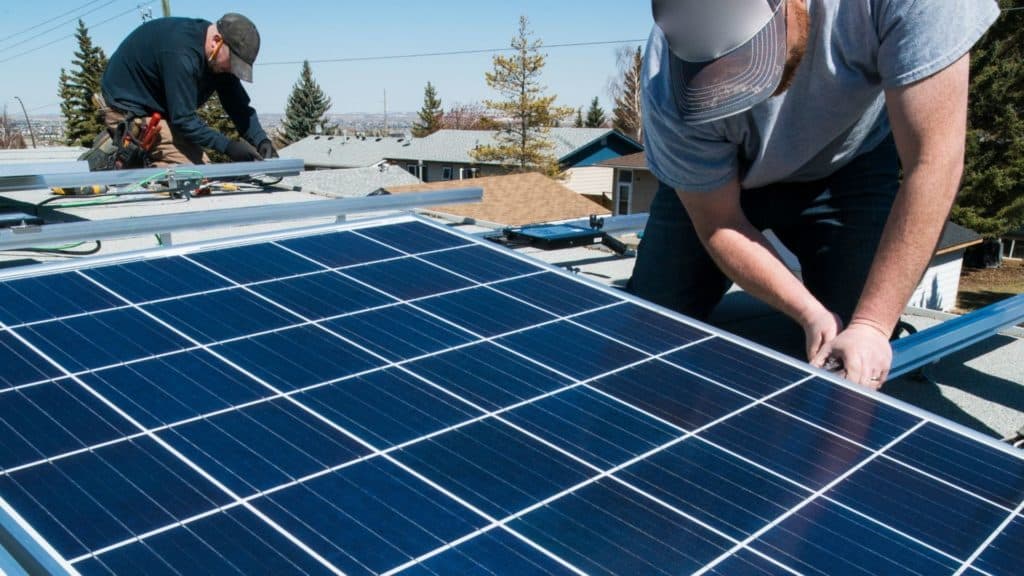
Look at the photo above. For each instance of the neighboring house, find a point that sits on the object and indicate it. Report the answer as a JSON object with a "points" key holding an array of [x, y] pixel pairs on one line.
{"points": [[446, 155], [635, 185], [325, 152], [941, 281], [513, 200], [1013, 245], [349, 182]]}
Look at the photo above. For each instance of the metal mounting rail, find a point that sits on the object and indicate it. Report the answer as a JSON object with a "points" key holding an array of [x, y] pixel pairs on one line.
{"points": [[27, 170], [163, 225], [930, 345], [274, 167]]}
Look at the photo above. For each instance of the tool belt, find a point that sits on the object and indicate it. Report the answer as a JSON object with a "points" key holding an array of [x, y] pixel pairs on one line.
{"points": [[120, 147]]}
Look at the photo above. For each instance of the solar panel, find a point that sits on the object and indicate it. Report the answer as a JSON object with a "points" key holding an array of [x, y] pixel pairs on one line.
{"points": [[394, 397]]}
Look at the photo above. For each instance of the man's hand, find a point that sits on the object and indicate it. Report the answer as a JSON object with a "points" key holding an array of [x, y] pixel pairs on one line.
{"points": [[820, 328], [864, 351], [267, 150], [242, 151]]}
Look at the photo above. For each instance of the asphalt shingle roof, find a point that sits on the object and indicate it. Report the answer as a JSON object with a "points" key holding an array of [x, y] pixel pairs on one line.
{"points": [[344, 151], [455, 145], [350, 182], [514, 200]]}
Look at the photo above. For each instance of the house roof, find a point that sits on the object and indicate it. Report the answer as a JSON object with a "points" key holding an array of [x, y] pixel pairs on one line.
{"points": [[44, 154], [344, 151], [636, 161], [349, 182], [514, 200], [455, 145], [956, 237]]}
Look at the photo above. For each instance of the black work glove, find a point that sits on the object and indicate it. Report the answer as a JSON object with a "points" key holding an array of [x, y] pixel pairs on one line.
{"points": [[267, 149], [242, 151]]}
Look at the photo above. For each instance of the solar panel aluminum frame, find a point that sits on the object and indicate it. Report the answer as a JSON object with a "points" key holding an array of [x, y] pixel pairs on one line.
{"points": [[36, 554]]}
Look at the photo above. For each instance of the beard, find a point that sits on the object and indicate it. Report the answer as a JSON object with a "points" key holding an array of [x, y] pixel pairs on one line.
{"points": [[798, 47]]}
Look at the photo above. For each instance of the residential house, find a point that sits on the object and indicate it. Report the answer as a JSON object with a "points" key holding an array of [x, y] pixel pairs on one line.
{"points": [[635, 185], [349, 182], [344, 151], [513, 200], [446, 155]]}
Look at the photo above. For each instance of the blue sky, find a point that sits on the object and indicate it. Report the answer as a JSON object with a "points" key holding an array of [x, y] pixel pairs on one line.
{"points": [[319, 30]]}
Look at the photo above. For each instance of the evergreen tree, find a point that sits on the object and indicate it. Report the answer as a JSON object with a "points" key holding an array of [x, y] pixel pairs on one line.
{"points": [[991, 200], [213, 115], [431, 115], [523, 143], [81, 117], [627, 116], [595, 114], [578, 122], [307, 107]]}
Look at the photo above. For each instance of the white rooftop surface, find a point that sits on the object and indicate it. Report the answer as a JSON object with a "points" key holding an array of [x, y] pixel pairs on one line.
{"points": [[982, 388]]}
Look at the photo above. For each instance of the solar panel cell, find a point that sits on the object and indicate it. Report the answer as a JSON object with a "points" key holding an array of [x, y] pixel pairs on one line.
{"points": [[485, 312], [592, 426], [233, 542], [488, 376], [369, 517], [718, 489], [642, 328], [496, 552], [51, 419], [605, 528], [52, 296], [407, 279], [1006, 555], [556, 294], [20, 364], [787, 446], [673, 395], [102, 339], [579, 352], [262, 446], [494, 467], [823, 538], [388, 408], [222, 315], [147, 280], [340, 249], [297, 357], [322, 295], [254, 263], [736, 367], [399, 332], [480, 264], [172, 388], [413, 237], [99, 498]]}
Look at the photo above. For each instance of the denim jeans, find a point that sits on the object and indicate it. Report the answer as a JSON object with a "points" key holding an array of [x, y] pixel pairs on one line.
{"points": [[833, 226]]}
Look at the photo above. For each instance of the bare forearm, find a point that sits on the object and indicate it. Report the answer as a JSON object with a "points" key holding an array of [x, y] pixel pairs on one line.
{"points": [[908, 243], [744, 254]]}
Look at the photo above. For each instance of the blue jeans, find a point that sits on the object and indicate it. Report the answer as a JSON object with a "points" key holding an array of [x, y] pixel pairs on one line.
{"points": [[833, 226]]}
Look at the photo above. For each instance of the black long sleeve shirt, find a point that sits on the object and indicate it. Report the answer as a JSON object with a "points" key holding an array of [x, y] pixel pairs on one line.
{"points": [[162, 67]]}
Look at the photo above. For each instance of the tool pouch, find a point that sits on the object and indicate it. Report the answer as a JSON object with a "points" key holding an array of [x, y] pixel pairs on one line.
{"points": [[103, 153]]}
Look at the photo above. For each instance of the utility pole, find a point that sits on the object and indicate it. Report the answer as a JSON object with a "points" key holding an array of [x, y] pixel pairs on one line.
{"points": [[27, 121], [385, 112], [167, 8]]}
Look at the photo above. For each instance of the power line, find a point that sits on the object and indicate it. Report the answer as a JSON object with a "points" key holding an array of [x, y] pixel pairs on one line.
{"points": [[62, 38], [61, 24], [451, 53], [45, 22]]}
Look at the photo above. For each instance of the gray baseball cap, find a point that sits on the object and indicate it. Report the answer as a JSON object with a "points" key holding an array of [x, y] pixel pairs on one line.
{"points": [[726, 55], [243, 40]]}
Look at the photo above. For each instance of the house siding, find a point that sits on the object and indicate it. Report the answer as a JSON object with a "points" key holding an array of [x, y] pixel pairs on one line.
{"points": [[590, 181], [644, 187], [940, 284]]}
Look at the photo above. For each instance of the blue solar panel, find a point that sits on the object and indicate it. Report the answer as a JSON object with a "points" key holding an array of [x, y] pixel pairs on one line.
{"points": [[393, 397]]}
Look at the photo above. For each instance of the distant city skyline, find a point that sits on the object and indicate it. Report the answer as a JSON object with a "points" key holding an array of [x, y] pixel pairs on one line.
{"points": [[349, 39]]}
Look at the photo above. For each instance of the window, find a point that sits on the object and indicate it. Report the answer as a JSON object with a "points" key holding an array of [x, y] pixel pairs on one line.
{"points": [[624, 193], [446, 173], [413, 169], [467, 173]]}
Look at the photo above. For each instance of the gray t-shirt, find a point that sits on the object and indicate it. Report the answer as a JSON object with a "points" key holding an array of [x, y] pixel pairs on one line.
{"points": [[835, 108]]}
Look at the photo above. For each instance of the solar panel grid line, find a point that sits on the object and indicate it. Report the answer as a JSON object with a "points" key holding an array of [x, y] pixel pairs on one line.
{"points": [[191, 464], [793, 510], [945, 482], [968, 563]]}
